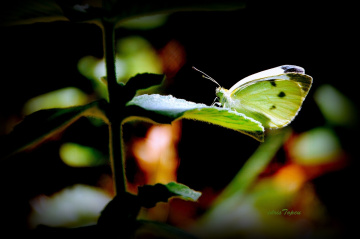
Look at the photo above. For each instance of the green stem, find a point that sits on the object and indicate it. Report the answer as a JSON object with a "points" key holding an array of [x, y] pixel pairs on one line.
{"points": [[115, 119]]}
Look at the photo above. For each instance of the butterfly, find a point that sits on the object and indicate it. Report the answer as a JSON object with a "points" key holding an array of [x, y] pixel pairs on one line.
{"points": [[273, 97]]}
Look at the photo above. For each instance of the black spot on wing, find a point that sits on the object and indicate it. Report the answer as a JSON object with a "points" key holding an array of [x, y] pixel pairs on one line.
{"points": [[273, 107], [294, 69], [281, 94], [272, 82]]}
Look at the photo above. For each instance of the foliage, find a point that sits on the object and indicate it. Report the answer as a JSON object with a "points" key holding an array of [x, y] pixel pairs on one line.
{"points": [[244, 200], [121, 105]]}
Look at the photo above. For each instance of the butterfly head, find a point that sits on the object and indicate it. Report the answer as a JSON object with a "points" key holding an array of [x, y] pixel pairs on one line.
{"points": [[220, 92], [223, 95]]}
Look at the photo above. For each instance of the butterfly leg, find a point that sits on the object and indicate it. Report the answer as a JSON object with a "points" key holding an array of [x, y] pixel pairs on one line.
{"points": [[215, 103]]}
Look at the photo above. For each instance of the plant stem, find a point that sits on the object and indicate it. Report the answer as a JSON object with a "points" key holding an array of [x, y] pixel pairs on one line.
{"points": [[115, 118]]}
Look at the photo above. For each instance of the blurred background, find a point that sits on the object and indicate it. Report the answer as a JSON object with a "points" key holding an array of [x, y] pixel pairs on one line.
{"points": [[308, 168]]}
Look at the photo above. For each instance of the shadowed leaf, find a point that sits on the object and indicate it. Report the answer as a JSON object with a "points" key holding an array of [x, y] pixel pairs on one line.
{"points": [[155, 229], [143, 81], [130, 9], [17, 12], [31, 11], [42, 124], [140, 82], [149, 195]]}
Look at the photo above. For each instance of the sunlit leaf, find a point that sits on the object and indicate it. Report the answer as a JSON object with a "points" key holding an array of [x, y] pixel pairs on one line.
{"points": [[317, 146], [138, 56], [92, 68], [183, 191], [135, 57], [149, 195], [165, 109], [76, 155], [62, 98], [42, 124]]}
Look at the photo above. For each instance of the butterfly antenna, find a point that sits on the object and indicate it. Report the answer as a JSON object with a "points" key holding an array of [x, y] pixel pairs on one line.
{"points": [[206, 76]]}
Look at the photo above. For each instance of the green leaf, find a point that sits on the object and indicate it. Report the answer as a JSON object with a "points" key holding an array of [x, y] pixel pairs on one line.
{"points": [[165, 109], [183, 191], [149, 195], [76, 155], [140, 82], [42, 124]]}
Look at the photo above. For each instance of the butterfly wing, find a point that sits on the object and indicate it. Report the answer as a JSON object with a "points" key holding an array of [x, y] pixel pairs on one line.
{"points": [[266, 73], [274, 101]]}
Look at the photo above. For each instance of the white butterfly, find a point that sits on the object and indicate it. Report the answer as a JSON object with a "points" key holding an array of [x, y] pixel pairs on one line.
{"points": [[273, 97]]}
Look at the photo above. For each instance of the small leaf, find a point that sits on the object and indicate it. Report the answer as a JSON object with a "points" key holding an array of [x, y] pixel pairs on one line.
{"points": [[165, 109], [140, 82], [183, 191], [42, 124], [143, 81], [149, 195]]}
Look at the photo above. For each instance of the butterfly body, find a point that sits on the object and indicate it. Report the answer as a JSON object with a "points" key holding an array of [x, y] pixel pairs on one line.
{"points": [[272, 97]]}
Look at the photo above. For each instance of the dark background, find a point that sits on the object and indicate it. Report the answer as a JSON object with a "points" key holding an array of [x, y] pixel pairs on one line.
{"points": [[228, 46]]}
